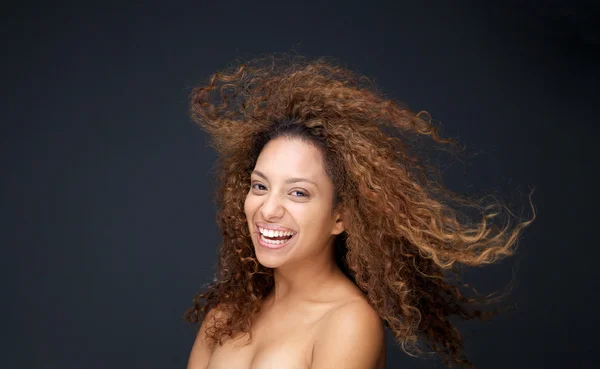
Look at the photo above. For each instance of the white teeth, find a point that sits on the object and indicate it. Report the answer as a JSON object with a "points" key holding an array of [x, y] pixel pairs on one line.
{"points": [[272, 242], [272, 233]]}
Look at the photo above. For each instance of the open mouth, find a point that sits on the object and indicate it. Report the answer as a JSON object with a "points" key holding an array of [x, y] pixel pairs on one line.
{"points": [[274, 239]]}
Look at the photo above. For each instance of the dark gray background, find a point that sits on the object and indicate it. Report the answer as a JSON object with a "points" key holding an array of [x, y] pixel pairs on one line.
{"points": [[107, 223]]}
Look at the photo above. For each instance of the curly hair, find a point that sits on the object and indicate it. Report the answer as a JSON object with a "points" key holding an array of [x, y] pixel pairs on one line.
{"points": [[405, 233]]}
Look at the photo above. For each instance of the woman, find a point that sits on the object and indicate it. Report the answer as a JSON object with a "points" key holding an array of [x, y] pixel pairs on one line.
{"points": [[333, 227]]}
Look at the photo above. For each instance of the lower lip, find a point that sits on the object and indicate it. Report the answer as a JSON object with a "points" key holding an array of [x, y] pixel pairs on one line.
{"points": [[271, 246]]}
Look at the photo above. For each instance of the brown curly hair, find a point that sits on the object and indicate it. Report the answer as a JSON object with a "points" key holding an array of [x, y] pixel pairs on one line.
{"points": [[405, 233]]}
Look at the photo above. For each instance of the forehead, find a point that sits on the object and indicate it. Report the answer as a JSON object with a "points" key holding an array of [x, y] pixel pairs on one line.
{"points": [[291, 157]]}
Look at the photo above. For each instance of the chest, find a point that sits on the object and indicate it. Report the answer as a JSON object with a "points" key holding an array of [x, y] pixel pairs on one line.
{"points": [[277, 342]]}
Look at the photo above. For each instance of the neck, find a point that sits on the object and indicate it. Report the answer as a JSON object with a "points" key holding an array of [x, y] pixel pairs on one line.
{"points": [[302, 281]]}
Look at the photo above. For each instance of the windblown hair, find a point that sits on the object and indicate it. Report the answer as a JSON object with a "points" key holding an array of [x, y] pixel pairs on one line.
{"points": [[405, 233]]}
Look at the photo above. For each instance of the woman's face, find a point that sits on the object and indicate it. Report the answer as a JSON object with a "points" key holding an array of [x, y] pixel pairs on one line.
{"points": [[290, 195]]}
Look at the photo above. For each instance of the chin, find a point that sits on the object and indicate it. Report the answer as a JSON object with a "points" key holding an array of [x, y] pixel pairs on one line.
{"points": [[268, 261]]}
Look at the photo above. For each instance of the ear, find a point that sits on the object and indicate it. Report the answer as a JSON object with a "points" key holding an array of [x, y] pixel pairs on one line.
{"points": [[338, 226]]}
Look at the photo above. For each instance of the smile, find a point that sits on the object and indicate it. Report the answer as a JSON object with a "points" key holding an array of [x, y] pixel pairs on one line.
{"points": [[274, 239]]}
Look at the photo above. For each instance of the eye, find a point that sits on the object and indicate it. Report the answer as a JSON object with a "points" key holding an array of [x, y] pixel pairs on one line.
{"points": [[300, 193], [257, 186]]}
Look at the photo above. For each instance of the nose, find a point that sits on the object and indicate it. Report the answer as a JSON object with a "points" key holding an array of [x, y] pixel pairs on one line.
{"points": [[272, 208]]}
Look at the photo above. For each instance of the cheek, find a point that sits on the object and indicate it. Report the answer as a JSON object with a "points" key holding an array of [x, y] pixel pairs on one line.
{"points": [[246, 204], [250, 205], [318, 220], [309, 218]]}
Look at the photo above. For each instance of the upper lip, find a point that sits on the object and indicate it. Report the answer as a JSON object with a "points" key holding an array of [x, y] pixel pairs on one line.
{"points": [[274, 227]]}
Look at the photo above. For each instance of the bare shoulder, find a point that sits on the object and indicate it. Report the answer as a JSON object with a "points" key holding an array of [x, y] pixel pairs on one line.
{"points": [[203, 345], [351, 336], [354, 314]]}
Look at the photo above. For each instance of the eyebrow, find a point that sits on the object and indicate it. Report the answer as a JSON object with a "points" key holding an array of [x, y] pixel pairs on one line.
{"points": [[288, 180]]}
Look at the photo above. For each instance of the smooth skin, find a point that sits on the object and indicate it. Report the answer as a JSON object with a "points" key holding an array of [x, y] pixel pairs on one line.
{"points": [[315, 317]]}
